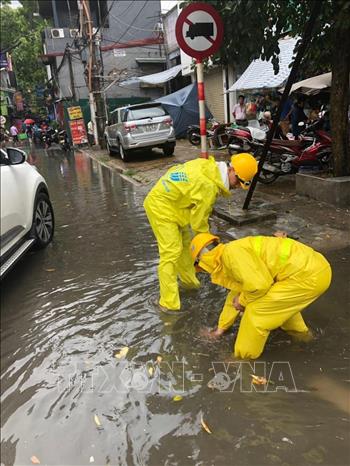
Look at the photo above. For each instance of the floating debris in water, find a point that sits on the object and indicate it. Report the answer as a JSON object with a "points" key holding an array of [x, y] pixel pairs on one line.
{"points": [[258, 380], [92, 459], [122, 353], [287, 440], [97, 421], [177, 398], [35, 460], [205, 425]]}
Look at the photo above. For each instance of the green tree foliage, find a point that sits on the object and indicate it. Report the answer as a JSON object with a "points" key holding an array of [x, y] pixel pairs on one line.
{"points": [[253, 28], [21, 37]]}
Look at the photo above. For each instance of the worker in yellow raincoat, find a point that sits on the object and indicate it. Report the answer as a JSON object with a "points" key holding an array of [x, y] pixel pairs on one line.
{"points": [[271, 280], [180, 203]]}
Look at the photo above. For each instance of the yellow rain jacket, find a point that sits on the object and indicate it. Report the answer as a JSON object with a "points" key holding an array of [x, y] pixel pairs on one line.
{"points": [[275, 278], [181, 201]]}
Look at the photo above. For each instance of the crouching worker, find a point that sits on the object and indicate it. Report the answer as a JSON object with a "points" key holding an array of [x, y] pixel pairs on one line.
{"points": [[271, 280], [180, 203]]}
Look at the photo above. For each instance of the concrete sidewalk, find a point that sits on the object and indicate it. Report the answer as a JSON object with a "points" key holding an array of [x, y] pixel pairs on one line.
{"points": [[277, 206]]}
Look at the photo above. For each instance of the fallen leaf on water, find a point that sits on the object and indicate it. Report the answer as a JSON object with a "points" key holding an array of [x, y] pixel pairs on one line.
{"points": [[159, 359], [122, 353], [35, 460], [97, 421], [205, 426], [150, 371], [258, 380], [50, 270], [177, 398]]}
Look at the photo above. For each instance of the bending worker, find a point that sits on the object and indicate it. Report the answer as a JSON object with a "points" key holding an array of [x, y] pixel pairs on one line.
{"points": [[271, 280], [181, 201]]}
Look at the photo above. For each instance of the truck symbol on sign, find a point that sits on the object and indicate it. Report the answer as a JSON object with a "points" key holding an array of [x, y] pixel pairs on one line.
{"points": [[200, 29]]}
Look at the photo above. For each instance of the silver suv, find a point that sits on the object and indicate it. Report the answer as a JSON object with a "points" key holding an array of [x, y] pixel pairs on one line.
{"points": [[140, 126]]}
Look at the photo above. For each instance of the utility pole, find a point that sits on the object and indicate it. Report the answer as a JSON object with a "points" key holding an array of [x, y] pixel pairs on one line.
{"points": [[93, 72], [71, 74]]}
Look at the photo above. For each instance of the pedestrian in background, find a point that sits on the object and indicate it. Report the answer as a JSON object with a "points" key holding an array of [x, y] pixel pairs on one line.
{"points": [[239, 112], [14, 134], [297, 116]]}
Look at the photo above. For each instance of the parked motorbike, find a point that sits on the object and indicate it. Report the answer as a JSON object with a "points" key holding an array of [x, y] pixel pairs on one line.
{"points": [[64, 141], [216, 135], [244, 138], [50, 136], [286, 157]]}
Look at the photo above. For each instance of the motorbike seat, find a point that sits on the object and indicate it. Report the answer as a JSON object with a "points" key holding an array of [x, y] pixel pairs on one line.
{"points": [[290, 143]]}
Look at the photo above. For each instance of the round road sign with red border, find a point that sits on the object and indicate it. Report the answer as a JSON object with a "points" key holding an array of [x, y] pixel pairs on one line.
{"points": [[199, 30]]}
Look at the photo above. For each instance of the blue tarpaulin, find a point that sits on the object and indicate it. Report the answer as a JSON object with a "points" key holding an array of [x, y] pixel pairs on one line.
{"points": [[182, 106]]}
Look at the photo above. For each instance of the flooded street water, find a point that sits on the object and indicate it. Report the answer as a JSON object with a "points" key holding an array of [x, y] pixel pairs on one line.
{"points": [[67, 311]]}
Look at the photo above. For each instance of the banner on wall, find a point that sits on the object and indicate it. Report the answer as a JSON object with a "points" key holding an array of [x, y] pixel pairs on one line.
{"points": [[78, 132]]}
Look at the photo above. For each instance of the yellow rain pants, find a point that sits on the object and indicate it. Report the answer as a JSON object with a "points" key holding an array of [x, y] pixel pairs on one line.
{"points": [[275, 278], [181, 201]]}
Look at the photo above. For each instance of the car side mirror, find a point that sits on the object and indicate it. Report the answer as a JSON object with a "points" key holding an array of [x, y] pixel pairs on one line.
{"points": [[15, 156]]}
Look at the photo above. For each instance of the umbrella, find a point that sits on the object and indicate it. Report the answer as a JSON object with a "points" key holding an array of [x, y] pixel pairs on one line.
{"points": [[29, 121]]}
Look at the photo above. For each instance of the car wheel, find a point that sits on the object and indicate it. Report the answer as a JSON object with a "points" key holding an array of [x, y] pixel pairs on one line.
{"points": [[169, 150], [43, 221], [124, 154]]}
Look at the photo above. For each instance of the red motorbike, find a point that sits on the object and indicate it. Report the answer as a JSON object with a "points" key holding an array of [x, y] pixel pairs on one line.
{"points": [[244, 138], [216, 135], [286, 157]]}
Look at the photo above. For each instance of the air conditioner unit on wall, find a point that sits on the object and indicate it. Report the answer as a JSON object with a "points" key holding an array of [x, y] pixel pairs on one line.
{"points": [[73, 33], [57, 33]]}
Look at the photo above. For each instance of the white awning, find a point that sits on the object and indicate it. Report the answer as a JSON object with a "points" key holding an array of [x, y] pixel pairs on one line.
{"points": [[313, 85], [156, 78], [260, 74]]}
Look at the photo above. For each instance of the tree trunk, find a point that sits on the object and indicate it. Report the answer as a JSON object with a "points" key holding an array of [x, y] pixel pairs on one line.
{"points": [[340, 101]]}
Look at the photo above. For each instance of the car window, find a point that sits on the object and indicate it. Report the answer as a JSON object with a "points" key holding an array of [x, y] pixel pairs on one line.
{"points": [[122, 115], [3, 158], [145, 112], [115, 117]]}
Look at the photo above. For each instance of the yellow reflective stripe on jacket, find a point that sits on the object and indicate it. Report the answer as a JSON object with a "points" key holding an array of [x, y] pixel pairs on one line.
{"points": [[284, 251], [257, 243]]}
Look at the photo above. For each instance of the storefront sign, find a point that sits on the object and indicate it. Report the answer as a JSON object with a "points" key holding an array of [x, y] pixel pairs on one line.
{"points": [[78, 132], [75, 113]]}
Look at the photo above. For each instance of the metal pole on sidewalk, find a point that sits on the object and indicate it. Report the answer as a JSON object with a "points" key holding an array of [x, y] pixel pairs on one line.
{"points": [[201, 103], [316, 7]]}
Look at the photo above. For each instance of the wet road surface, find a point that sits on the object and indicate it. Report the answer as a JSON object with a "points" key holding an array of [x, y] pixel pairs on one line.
{"points": [[67, 312]]}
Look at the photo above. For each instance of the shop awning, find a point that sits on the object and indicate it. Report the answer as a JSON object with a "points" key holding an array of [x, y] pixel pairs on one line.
{"points": [[260, 73], [313, 85], [156, 78]]}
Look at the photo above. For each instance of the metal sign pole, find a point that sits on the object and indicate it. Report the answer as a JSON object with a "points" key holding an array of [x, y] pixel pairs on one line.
{"points": [[201, 103]]}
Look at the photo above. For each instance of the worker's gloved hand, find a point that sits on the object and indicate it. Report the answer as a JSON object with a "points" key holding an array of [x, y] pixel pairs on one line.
{"points": [[280, 234], [237, 305], [210, 333]]}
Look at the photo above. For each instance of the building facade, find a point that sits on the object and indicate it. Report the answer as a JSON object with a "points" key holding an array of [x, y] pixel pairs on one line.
{"points": [[130, 43]]}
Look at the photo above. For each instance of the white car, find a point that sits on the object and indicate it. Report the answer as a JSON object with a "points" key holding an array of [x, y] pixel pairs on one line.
{"points": [[27, 217]]}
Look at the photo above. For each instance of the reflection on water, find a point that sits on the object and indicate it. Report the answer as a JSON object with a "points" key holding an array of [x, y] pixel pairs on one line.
{"points": [[67, 312]]}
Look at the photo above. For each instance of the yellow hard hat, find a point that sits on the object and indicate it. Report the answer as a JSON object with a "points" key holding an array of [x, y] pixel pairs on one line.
{"points": [[245, 167], [199, 242]]}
